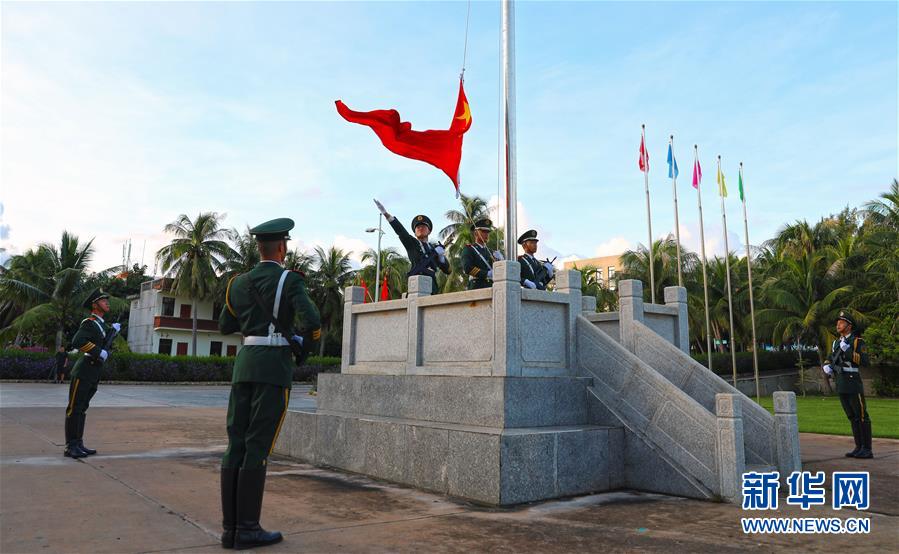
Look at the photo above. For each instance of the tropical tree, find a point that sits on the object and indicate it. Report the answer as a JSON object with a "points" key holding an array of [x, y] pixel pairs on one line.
{"points": [[195, 258], [296, 260], [48, 286], [332, 273], [394, 267], [636, 266]]}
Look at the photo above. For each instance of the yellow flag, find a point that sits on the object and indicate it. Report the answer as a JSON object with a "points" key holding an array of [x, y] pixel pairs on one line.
{"points": [[722, 187]]}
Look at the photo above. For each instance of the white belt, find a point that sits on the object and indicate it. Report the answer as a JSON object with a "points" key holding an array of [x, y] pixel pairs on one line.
{"points": [[265, 341], [850, 369]]}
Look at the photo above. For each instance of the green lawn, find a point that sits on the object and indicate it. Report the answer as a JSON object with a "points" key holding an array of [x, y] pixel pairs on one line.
{"points": [[824, 414]]}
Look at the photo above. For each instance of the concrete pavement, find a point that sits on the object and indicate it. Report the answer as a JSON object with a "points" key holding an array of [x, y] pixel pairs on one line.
{"points": [[154, 488]]}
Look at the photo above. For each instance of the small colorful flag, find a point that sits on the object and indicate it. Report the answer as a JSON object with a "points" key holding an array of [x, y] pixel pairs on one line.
{"points": [[722, 186], [697, 174], [643, 163], [365, 295], [740, 181], [385, 290], [672, 164]]}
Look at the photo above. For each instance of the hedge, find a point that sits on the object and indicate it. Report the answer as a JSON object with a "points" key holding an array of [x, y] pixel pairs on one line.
{"points": [[128, 366], [768, 361]]}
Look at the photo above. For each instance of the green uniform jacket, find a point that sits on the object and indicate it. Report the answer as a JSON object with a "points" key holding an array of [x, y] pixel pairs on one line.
{"points": [[417, 251], [89, 339], [476, 266], [856, 356], [532, 268], [267, 364]]}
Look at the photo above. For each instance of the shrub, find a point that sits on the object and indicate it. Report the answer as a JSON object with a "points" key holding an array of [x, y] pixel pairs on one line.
{"points": [[888, 383], [128, 366]]}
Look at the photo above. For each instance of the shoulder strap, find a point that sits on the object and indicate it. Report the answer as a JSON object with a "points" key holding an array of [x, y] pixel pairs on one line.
{"points": [[476, 251], [278, 293]]}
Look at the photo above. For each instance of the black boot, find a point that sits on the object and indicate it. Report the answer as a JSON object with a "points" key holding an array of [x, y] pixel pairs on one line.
{"points": [[72, 450], [865, 451], [88, 451], [250, 488], [229, 505], [857, 435]]}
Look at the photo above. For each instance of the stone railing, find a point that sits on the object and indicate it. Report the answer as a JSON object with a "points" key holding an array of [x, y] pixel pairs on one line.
{"points": [[668, 320], [501, 331]]}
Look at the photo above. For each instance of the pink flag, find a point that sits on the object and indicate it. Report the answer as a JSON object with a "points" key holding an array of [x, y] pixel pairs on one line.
{"points": [[697, 174]]}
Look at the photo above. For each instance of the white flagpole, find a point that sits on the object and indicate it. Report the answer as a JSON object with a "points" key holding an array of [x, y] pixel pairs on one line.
{"points": [[680, 275], [652, 274], [705, 279], [755, 357], [730, 299], [508, 33]]}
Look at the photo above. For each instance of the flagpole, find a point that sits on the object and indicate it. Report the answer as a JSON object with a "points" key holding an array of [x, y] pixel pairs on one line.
{"points": [[755, 357], [730, 299], [705, 279], [680, 275], [508, 60], [652, 273]]}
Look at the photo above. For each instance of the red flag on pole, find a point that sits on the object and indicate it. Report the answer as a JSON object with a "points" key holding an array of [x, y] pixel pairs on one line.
{"points": [[385, 292], [643, 163], [365, 295], [697, 174], [440, 148]]}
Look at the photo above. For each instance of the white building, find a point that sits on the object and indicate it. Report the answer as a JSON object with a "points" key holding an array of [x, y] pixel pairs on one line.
{"points": [[161, 323]]}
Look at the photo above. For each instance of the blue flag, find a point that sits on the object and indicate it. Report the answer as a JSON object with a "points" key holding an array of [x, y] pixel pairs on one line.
{"points": [[672, 164]]}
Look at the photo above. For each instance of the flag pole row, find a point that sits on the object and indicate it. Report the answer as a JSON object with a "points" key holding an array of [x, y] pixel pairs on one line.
{"points": [[643, 164]]}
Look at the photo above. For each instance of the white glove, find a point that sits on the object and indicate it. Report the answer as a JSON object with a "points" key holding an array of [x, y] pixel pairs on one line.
{"points": [[529, 284], [498, 256], [490, 274], [441, 251], [383, 210], [117, 327], [844, 346], [298, 338], [827, 369], [549, 269], [103, 355]]}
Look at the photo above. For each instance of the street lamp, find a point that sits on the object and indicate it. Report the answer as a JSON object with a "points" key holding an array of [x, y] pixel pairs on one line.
{"points": [[378, 263]]}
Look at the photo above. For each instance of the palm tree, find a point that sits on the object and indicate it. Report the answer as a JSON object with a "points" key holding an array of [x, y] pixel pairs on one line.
{"points": [[295, 260], [636, 266], [394, 266], [332, 273], [195, 257], [48, 285]]}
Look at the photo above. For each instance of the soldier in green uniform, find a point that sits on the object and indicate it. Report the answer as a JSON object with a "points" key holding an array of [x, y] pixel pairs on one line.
{"points": [[89, 339], [263, 372], [848, 354], [534, 273], [477, 260], [426, 258]]}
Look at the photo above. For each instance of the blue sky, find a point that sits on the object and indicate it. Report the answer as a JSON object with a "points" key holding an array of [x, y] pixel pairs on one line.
{"points": [[117, 117]]}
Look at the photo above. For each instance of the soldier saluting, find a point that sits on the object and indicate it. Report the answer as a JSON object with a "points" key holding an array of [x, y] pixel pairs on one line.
{"points": [[262, 305], [477, 260], [90, 339], [426, 258], [534, 273], [848, 354]]}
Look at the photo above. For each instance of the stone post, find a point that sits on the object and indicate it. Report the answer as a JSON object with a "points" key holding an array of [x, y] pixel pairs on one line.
{"points": [[419, 285], [506, 318], [676, 297], [568, 281], [630, 309], [731, 460], [786, 433], [588, 304], [351, 295]]}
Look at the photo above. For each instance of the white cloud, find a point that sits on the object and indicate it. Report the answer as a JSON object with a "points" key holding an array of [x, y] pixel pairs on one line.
{"points": [[613, 246]]}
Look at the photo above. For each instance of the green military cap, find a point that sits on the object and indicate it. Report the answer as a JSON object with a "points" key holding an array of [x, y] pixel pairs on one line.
{"points": [[276, 229], [97, 294], [844, 315], [484, 223], [422, 220], [528, 235]]}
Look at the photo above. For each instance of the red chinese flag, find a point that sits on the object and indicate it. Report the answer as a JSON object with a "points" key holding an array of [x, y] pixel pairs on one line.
{"points": [[365, 295], [643, 164], [385, 291], [442, 149]]}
